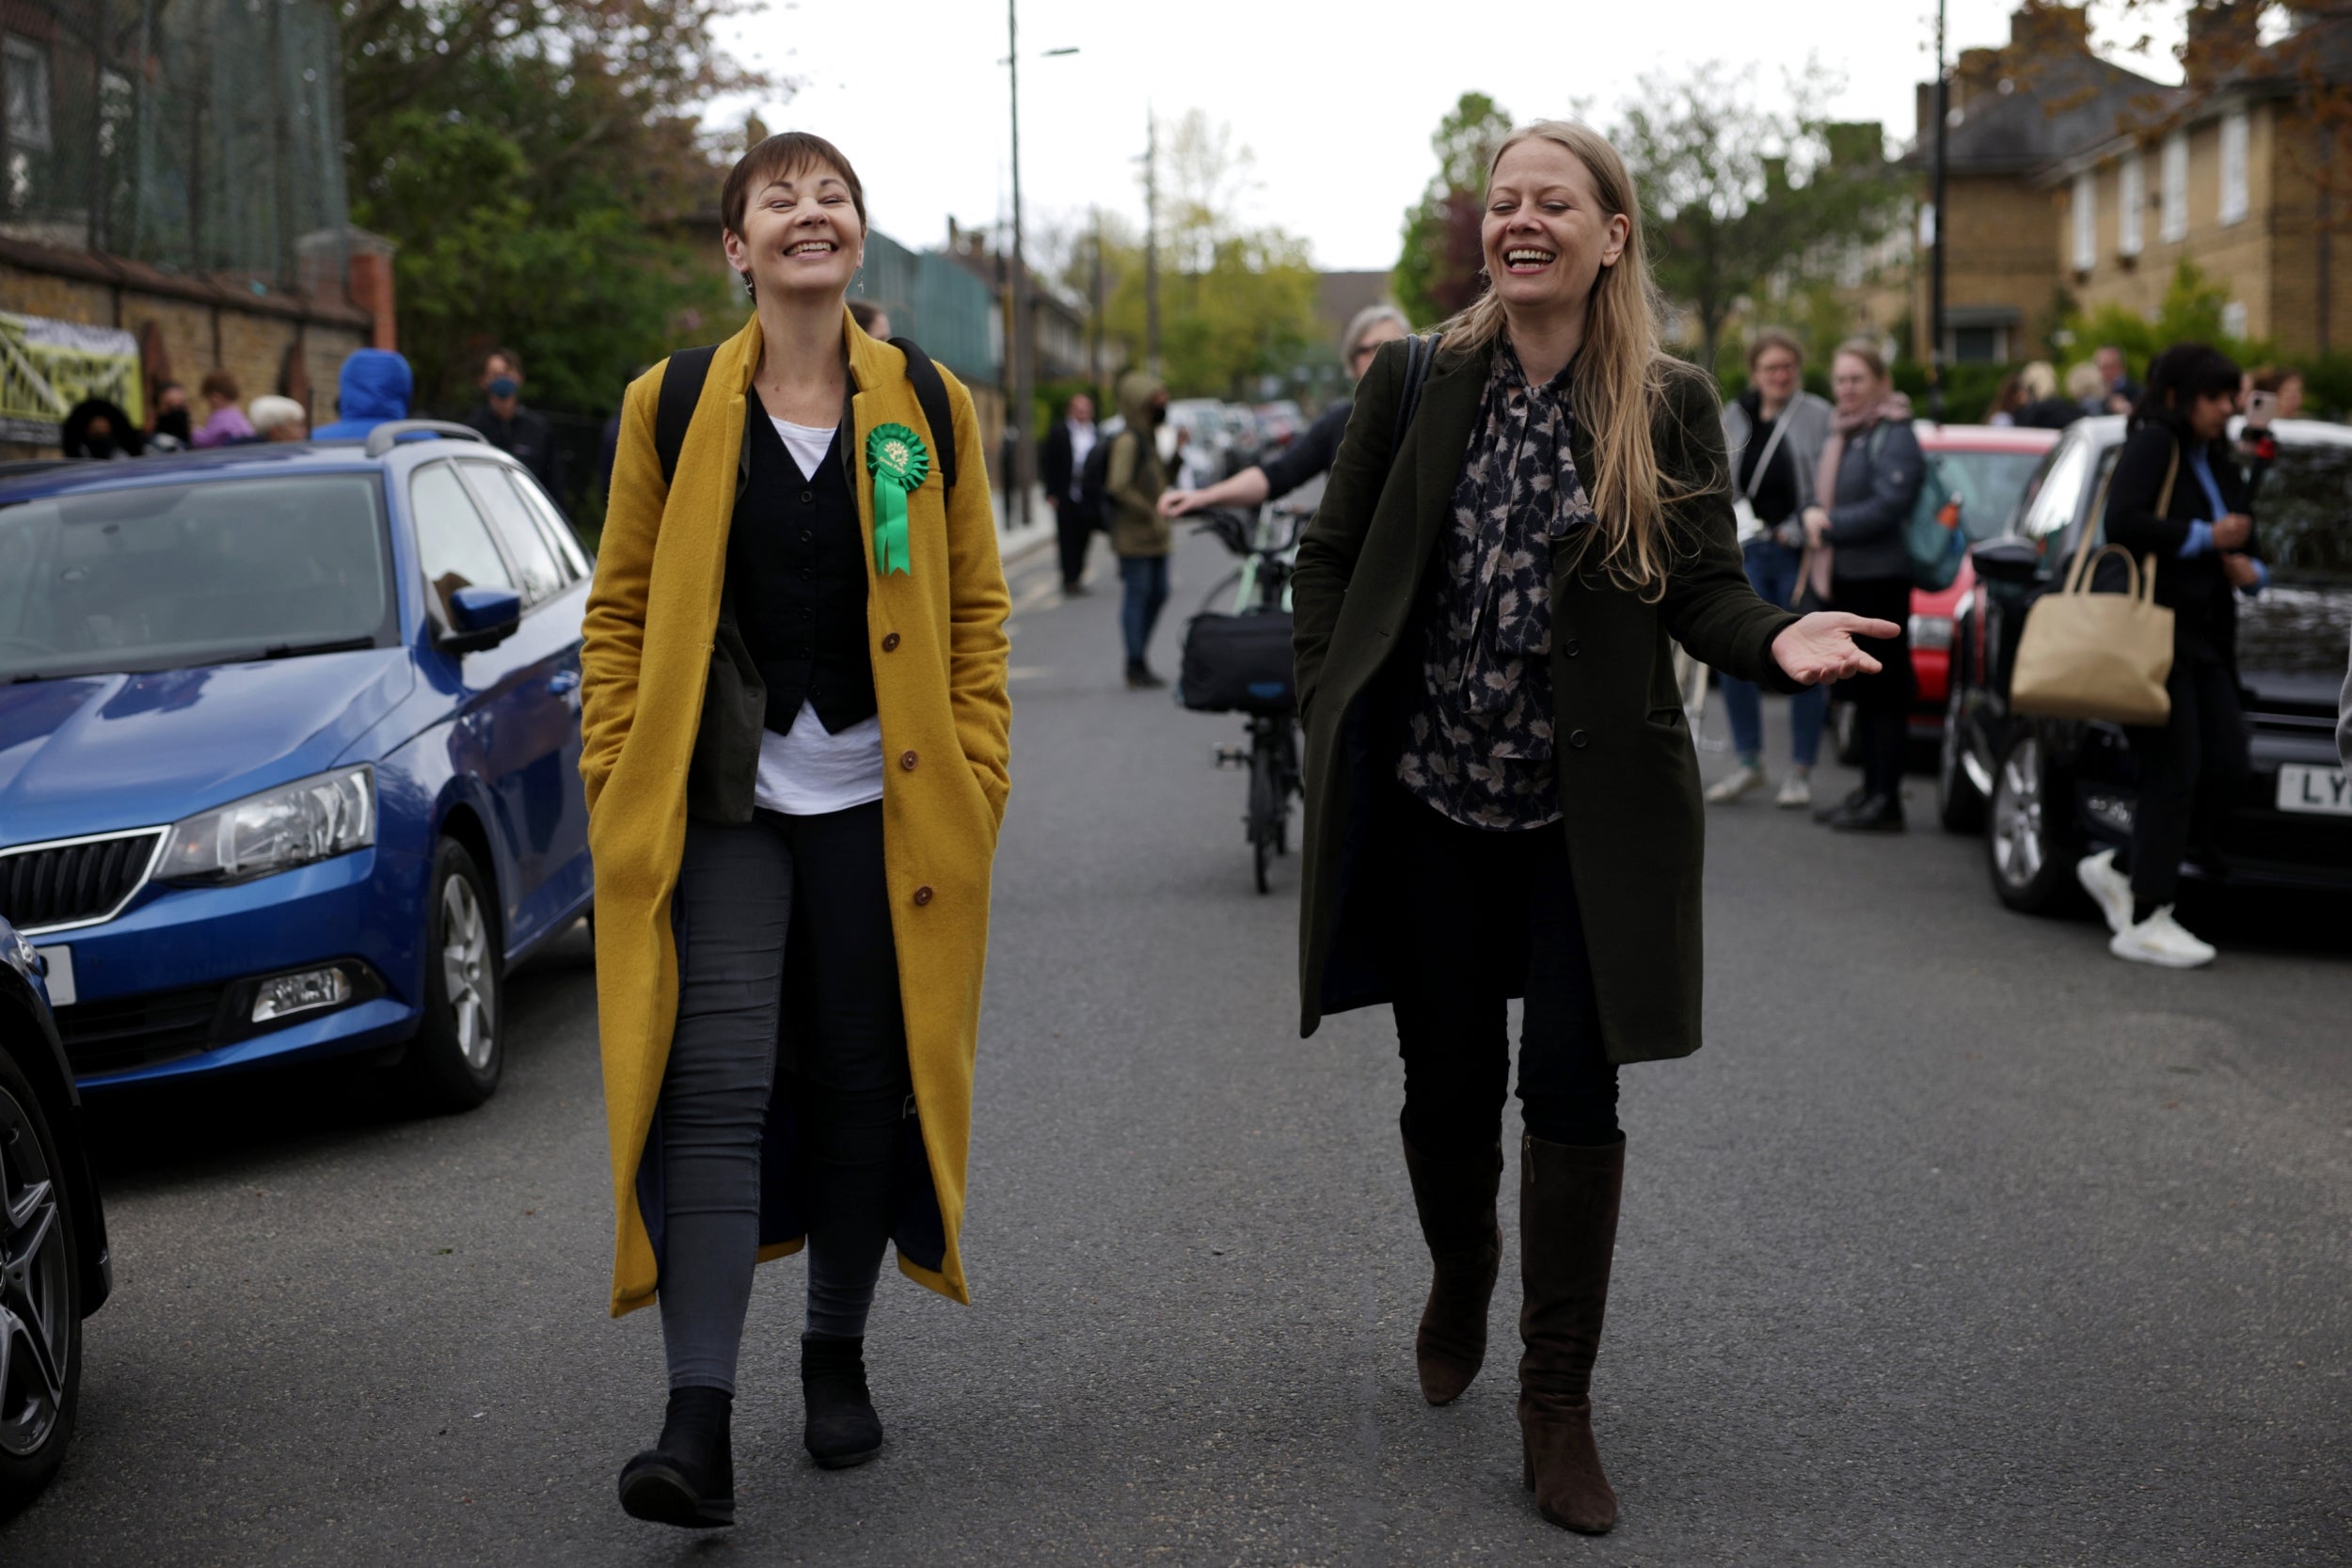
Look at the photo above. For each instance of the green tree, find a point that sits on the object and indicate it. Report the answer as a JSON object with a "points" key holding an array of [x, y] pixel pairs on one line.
{"points": [[1236, 301], [2191, 312], [541, 164], [1439, 270], [1734, 193]]}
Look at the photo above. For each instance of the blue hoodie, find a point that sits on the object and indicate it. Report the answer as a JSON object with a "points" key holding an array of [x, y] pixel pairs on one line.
{"points": [[375, 388]]}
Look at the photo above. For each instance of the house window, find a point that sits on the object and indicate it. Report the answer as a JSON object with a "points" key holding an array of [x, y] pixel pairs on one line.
{"points": [[2175, 205], [2086, 220], [25, 66], [2233, 199], [1979, 345], [2131, 203], [2234, 319]]}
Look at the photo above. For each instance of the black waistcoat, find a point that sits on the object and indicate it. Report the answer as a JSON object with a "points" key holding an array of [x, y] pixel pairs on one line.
{"points": [[796, 572]]}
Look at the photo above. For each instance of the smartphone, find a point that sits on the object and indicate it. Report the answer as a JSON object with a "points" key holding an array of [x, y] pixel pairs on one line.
{"points": [[2259, 406]]}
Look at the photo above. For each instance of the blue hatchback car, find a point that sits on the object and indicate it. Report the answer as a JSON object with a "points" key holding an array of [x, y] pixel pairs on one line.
{"points": [[289, 738]]}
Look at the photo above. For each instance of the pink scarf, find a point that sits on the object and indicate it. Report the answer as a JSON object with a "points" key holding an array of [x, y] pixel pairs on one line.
{"points": [[1814, 571]]}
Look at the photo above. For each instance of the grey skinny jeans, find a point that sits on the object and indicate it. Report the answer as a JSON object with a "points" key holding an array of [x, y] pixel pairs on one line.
{"points": [[786, 964]]}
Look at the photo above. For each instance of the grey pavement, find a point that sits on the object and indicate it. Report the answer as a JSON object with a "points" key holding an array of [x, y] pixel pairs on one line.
{"points": [[1960, 1243]]}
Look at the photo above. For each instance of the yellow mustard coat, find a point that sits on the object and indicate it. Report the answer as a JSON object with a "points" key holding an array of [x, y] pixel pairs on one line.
{"points": [[937, 639]]}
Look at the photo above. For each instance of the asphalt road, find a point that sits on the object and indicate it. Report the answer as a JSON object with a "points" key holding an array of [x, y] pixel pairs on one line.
{"points": [[1962, 1243]]}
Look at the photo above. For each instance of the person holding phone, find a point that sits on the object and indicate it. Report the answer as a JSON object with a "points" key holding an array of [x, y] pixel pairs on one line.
{"points": [[2177, 494]]}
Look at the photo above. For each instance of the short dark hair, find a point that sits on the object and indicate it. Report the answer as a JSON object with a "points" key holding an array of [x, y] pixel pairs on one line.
{"points": [[2181, 375], [220, 383], [1769, 337], [866, 313], [787, 152], [2274, 378], [514, 360]]}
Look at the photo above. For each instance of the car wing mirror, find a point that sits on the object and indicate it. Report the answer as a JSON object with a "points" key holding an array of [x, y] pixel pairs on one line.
{"points": [[2010, 559], [481, 618]]}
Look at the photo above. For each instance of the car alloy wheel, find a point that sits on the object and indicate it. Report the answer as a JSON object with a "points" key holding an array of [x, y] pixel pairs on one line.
{"points": [[1958, 805], [38, 1338], [2020, 847], [468, 978], [457, 1055]]}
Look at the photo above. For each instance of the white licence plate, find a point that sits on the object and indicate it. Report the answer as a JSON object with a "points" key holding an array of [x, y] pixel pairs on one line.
{"points": [[2305, 787], [60, 977]]}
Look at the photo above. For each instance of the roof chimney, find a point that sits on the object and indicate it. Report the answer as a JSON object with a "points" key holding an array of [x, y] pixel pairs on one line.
{"points": [[2223, 38], [2047, 25]]}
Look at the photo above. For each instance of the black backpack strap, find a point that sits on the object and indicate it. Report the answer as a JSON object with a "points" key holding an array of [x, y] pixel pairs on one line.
{"points": [[931, 392], [1420, 350], [682, 378]]}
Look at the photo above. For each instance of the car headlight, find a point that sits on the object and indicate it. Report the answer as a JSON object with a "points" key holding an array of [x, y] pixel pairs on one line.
{"points": [[1932, 632], [310, 819]]}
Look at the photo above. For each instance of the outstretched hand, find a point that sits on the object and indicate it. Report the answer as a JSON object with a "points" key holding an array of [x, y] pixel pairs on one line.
{"points": [[1820, 647]]}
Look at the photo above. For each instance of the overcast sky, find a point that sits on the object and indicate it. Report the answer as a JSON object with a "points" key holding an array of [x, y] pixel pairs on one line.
{"points": [[1337, 100]]}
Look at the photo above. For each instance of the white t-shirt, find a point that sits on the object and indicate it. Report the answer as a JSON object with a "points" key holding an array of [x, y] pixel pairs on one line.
{"points": [[808, 772]]}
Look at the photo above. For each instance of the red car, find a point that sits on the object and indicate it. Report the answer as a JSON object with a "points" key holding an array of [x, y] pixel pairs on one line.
{"points": [[1987, 467]]}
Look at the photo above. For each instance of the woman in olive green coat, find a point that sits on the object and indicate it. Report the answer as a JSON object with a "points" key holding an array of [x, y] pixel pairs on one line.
{"points": [[1502, 800]]}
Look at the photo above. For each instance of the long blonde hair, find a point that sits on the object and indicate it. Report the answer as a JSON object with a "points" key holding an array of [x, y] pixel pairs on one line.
{"points": [[1620, 380]]}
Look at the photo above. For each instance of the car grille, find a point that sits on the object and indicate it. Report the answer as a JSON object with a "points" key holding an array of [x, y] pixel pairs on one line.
{"points": [[74, 881], [127, 1031]]}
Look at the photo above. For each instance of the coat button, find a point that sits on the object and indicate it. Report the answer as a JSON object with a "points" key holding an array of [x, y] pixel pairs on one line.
{"points": [[808, 497], [890, 642], [806, 537], [1576, 738], [906, 760], [1571, 649], [922, 896], [807, 572]]}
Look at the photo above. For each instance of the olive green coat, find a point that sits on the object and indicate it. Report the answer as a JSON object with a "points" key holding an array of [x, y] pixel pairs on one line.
{"points": [[1628, 778]]}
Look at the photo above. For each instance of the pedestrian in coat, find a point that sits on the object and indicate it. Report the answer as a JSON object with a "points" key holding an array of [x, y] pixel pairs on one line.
{"points": [[1503, 798], [1061, 469], [520, 432], [372, 390], [1775, 432], [794, 744], [1311, 457], [2177, 494], [1137, 478], [225, 425], [1870, 472]]}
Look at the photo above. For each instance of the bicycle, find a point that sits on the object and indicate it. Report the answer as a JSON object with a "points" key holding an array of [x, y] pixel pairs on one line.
{"points": [[1267, 544]]}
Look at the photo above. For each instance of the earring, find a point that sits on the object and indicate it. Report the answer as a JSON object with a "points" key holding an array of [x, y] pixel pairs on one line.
{"points": [[749, 291]]}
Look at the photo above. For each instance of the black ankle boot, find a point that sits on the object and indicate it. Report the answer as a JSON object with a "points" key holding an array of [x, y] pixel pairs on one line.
{"points": [[842, 1427], [687, 1479], [1846, 802], [1876, 813]]}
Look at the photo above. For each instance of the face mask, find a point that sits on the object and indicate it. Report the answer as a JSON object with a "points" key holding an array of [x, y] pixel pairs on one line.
{"points": [[504, 387], [174, 423], [1159, 415], [99, 446]]}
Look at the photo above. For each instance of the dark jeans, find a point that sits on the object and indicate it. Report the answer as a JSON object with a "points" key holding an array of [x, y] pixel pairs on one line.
{"points": [[788, 962], [1882, 701], [1146, 579], [2190, 771], [1072, 533], [1772, 570], [1483, 917]]}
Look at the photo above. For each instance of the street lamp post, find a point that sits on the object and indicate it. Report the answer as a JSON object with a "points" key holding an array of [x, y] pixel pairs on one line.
{"points": [[1935, 263], [1018, 344]]}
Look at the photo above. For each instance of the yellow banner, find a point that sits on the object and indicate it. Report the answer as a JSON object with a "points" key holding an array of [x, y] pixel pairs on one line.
{"points": [[46, 367]]}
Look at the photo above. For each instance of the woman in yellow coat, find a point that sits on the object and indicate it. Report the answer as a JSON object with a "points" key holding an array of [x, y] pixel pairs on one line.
{"points": [[794, 748]]}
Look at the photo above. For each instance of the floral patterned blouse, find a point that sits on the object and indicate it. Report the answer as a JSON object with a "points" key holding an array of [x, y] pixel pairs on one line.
{"points": [[1477, 743]]}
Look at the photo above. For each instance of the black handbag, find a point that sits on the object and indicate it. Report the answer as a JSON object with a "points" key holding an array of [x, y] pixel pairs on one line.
{"points": [[1238, 664]]}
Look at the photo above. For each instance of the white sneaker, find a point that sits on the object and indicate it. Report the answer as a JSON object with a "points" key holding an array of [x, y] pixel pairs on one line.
{"points": [[2159, 940], [2108, 888], [1796, 792], [1734, 783]]}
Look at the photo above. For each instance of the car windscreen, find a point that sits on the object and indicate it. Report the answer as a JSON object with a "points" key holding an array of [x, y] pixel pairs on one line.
{"points": [[163, 576], [1989, 483], [2303, 514]]}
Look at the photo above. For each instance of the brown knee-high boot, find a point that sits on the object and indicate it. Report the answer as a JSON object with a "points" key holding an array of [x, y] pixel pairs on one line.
{"points": [[1567, 1233], [1456, 1196]]}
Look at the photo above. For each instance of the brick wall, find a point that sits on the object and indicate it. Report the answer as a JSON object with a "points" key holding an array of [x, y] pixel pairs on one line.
{"points": [[1996, 257], [200, 324]]}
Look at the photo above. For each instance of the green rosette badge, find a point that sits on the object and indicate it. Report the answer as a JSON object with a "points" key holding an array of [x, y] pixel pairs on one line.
{"points": [[899, 464]]}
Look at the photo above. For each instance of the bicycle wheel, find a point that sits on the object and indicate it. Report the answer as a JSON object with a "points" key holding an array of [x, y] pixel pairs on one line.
{"points": [[1266, 804]]}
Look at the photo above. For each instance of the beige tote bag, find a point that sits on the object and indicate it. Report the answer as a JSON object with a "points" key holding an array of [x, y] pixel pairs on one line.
{"points": [[2096, 655]]}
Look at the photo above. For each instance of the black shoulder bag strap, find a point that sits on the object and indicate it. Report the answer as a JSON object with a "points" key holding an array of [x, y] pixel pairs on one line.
{"points": [[682, 378], [1420, 351], [931, 392]]}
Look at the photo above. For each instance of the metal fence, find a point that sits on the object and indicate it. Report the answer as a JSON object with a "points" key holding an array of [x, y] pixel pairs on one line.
{"points": [[203, 136], [938, 304]]}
